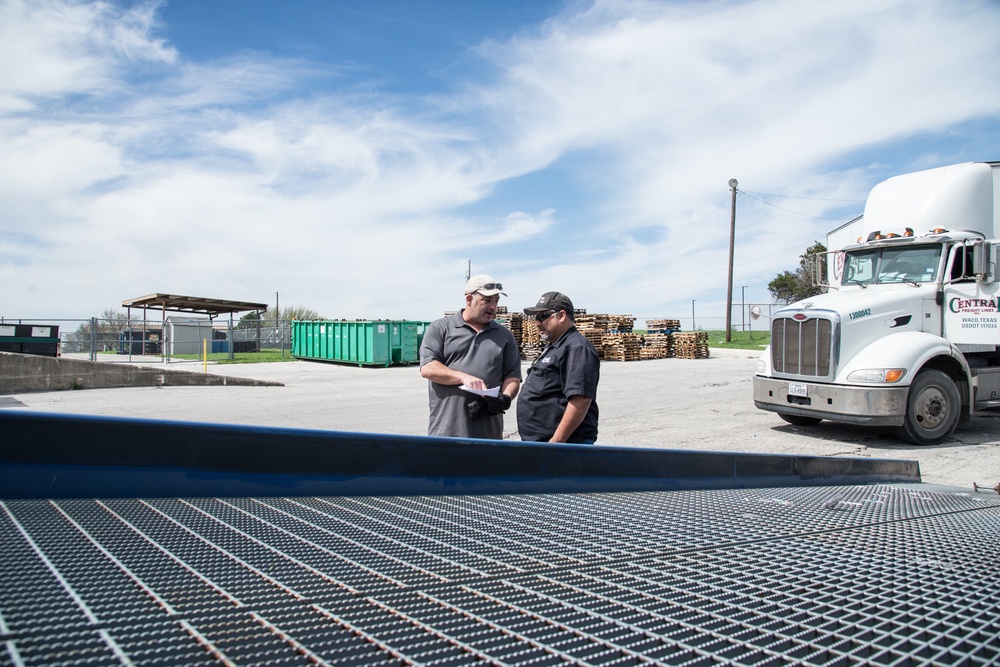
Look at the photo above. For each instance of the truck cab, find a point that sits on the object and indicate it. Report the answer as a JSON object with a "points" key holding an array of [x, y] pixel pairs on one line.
{"points": [[906, 334]]}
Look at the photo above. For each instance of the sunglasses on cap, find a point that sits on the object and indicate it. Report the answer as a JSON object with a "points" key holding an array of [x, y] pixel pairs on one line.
{"points": [[491, 286]]}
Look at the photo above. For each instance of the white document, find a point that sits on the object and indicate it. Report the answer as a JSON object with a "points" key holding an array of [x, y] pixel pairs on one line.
{"points": [[494, 392]]}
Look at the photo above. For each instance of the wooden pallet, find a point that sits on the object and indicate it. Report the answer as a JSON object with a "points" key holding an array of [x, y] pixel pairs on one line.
{"points": [[691, 345], [663, 325], [691, 336], [659, 346], [595, 336], [621, 347], [531, 352], [699, 352], [612, 335], [601, 322]]}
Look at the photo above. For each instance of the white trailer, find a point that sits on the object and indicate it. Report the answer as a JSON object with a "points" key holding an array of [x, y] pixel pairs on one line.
{"points": [[908, 333]]}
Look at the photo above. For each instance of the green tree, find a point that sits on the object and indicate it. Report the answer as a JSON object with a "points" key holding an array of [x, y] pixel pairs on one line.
{"points": [[109, 325], [788, 287], [289, 313]]}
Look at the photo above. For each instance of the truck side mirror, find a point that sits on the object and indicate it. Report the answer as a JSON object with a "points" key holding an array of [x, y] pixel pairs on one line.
{"points": [[817, 269], [982, 264]]}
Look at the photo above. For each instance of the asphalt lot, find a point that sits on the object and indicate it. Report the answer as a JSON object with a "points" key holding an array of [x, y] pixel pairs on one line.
{"points": [[696, 404]]}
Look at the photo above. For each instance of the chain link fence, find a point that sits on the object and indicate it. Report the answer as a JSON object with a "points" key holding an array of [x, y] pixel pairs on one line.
{"points": [[176, 340], [187, 339]]}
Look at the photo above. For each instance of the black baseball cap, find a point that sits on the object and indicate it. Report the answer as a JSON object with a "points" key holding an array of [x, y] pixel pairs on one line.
{"points": [[551, 301]]}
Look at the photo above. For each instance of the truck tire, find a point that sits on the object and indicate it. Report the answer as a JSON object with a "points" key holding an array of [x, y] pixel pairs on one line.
{"points": [[933, 408], [799, 420]]}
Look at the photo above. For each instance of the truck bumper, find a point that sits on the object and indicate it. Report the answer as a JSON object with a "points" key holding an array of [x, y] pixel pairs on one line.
{"points": [[871, 406]]}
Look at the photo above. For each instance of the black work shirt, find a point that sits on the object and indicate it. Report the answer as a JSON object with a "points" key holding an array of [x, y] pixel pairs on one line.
{"points": [[566, 368]]}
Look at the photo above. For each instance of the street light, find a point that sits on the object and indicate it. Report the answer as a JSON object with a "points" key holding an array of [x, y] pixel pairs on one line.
{"points": [[732, 238]]}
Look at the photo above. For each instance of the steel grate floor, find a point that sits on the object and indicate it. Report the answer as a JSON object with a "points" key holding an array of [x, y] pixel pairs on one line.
{"points": [[874, 575]]}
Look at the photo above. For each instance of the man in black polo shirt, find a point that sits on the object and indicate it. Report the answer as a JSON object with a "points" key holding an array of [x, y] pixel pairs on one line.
{"points": [[558, 402]]}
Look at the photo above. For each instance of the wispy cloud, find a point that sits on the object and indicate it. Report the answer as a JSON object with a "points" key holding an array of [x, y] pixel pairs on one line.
{"points": [[53, 49], [589, 154]]}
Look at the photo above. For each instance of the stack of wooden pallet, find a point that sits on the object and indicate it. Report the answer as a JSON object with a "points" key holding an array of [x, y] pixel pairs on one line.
{"points": [[621, 347], [514, 322], [657, 346], [647, 353], [531, 343], [595, 336], [691, 345], [614, 338], [595, 321], [620, 323], [663, 326]]}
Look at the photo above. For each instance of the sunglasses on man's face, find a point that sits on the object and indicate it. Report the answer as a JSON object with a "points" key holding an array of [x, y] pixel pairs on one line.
{"points": [[541, 317]]}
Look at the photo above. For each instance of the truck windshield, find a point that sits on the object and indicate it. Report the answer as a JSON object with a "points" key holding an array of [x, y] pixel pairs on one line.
{"points": [[892, 265]]}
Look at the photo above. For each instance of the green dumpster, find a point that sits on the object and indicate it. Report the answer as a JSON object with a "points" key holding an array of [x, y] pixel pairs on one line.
{"points": [[362, 342]]}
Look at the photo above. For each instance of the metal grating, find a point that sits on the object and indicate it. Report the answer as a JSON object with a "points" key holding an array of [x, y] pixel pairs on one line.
{"points": [[880, 575]]}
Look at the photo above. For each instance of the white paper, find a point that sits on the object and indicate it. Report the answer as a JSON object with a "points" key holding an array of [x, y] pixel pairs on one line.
{"points": [[494, 392]]}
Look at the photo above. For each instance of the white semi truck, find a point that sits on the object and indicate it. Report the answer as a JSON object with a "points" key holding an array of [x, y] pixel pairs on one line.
{"points": [[908, 331]]}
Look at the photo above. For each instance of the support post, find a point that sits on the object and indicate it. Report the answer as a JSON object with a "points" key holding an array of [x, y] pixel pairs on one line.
{"points": [[729, 287]]}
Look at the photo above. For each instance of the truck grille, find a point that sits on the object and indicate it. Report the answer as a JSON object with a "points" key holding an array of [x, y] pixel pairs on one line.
{"points": [[802, 348]]}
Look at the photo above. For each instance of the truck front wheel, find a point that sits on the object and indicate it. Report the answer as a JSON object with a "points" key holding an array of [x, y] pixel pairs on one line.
{"points": [[933, 408]]}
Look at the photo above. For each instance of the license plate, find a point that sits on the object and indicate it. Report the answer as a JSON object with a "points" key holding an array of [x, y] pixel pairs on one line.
{"points": [[798, 389]]}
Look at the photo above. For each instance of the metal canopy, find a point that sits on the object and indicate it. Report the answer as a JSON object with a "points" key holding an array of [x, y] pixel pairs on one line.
{"points": [[191, 304]]}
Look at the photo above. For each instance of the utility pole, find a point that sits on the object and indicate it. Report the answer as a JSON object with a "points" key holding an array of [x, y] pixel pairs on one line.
{"points": [[732, 240], [277, 323], [468, 269]]}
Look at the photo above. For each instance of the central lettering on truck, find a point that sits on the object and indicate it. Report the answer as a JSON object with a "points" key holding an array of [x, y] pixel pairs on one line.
{"points": [[973, 320], [861, 313], [968, 306]]}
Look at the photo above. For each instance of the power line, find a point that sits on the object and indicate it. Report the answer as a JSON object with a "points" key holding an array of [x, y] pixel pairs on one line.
{"points": [[751, 261], [765, 194], [788, 210], [686, 278]]}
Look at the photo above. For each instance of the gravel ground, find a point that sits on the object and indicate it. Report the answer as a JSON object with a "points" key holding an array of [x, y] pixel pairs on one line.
{"points": [[697, 404]]}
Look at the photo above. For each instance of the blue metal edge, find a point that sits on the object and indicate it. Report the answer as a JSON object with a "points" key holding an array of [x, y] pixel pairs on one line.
{"points": [[44, 455]]}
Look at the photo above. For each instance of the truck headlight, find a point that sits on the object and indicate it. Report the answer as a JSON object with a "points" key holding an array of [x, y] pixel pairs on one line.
{"points": [[761, 367], [879, 375]]}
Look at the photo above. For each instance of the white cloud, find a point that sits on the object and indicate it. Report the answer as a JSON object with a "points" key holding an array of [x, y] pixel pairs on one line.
{"points": [[143, 171], [676, 98], [52, 161], [53, 48]]}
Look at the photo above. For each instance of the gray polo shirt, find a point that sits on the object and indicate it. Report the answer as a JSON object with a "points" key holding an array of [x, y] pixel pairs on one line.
{"points": [[491, 355]]}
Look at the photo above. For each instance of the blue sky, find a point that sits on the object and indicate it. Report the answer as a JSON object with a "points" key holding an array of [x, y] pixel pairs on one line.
{"points": [[355, 157]]}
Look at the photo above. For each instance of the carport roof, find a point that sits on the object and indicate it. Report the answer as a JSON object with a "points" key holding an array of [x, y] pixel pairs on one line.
{"points": [[191, 304]]}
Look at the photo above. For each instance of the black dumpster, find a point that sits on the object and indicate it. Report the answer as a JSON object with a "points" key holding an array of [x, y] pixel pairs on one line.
{"points": [[41, 339], [139, 341]]}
